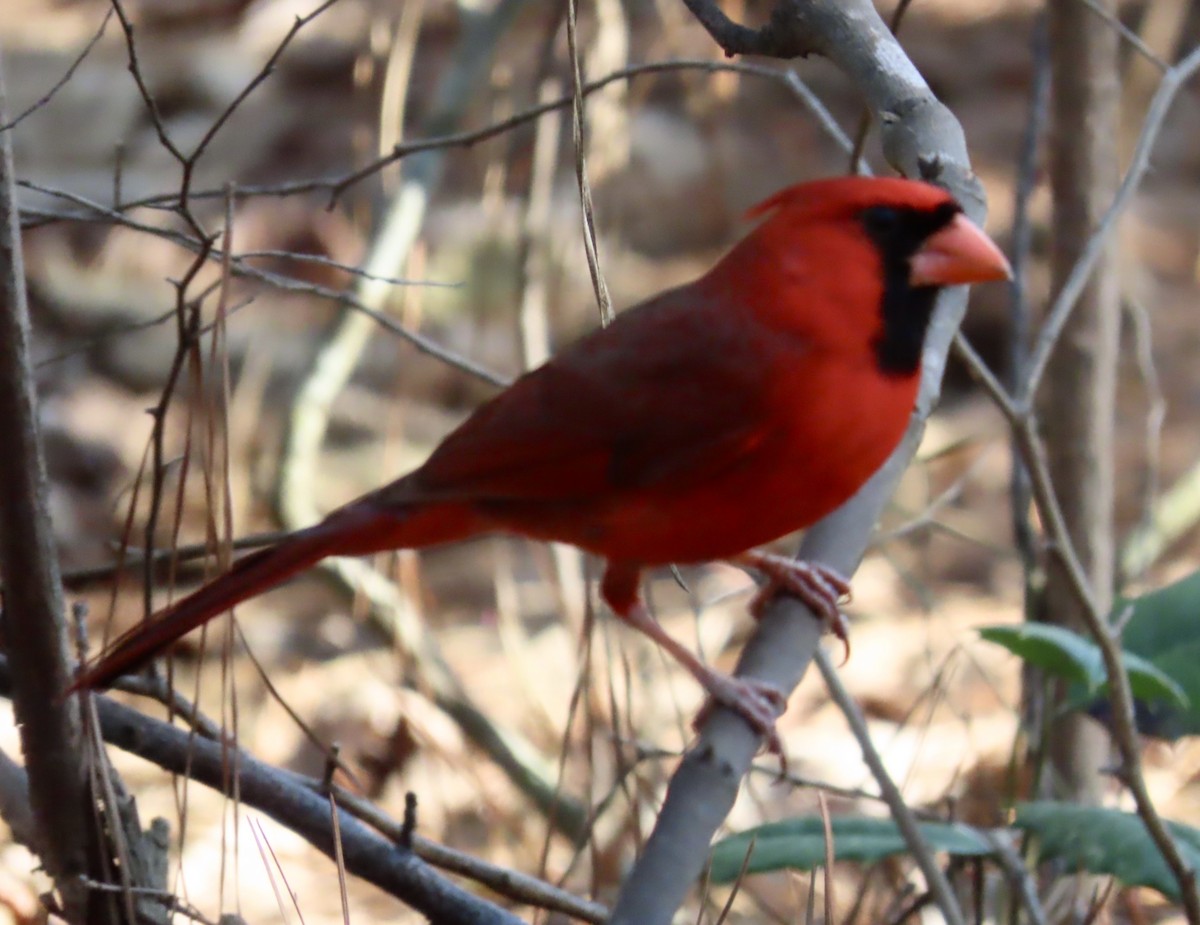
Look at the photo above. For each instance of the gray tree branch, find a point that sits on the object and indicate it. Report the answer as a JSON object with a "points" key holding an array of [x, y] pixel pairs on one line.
{"points": [[392, 866], [34, 621], [921, 138]]}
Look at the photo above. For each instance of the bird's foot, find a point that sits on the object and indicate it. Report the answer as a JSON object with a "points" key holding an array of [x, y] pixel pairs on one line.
{"points": [[818, 586], [760, 704]]}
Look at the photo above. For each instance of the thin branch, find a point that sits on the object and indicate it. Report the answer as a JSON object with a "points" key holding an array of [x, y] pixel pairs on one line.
{"points": [[1160, 104], [321, 261], [511, 884], [33, 616], [904, 817], [64, 80], [603, 299], [267, 69], [277, 794], [735, 39], [363, 307], [1124, 730], [239, 268], [1128, 35], [823, 116], [75, 578], [143, 88], [337, 185], [1018, 873]]}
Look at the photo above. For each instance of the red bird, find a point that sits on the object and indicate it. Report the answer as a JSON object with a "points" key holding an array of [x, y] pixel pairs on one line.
{"points": [[713, 418]]}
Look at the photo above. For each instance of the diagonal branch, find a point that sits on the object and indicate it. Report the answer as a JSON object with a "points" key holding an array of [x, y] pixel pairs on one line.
{"points": [[1124, 728], [388, 865], [921, 138], [1068, 297]]}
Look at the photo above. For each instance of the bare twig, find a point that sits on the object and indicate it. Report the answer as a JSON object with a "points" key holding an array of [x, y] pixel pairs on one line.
{"points": [[135, 71], [278, 794], [603, 299], [1127, 34], [1018, 874], [824, 117], [209, 251], [772, 41], [1172, 82], [267, 69], [339, 184], [904, 817], [34, 619], [164, 898], [161, 557], [62, 81], [365, 307], [320, 261], [187, 162], [1124, 730], [509, 883]]}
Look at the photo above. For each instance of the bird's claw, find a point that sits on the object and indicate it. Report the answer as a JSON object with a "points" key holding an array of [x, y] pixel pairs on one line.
{"points": [[817, 586], [759, 703]]}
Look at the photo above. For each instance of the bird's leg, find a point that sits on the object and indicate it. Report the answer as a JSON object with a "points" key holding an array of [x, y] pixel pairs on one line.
{"points": [[818, 586], [760, 704]]}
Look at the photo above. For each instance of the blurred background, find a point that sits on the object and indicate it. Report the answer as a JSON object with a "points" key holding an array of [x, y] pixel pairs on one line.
{"points": [[497, 277]]}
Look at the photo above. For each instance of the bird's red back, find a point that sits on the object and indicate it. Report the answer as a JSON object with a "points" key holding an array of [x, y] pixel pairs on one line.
{"points": [[724, 413]]}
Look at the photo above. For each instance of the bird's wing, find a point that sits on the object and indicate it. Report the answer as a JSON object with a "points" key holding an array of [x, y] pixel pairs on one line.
{"points": [[669, 394]]}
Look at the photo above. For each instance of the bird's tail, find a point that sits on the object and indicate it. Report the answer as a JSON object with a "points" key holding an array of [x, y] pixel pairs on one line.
{"points": [[357, 529]]}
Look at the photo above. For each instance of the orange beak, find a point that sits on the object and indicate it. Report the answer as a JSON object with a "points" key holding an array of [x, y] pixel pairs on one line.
{"points": [[959, 253]]}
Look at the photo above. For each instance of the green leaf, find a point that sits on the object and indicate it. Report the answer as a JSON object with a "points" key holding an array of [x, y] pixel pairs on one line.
{"points": [[1069, 655], [1149, 682], [1164, 628], [1052, 648], [1163, 619], [799, 844], [1106, 841], [1161, 643]]}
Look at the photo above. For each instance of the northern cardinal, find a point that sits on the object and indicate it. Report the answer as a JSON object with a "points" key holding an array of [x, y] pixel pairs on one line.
{"points": [[710, 419]]}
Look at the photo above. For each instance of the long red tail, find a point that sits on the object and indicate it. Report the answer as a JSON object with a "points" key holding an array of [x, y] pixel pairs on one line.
{"points": [[353, 530]]}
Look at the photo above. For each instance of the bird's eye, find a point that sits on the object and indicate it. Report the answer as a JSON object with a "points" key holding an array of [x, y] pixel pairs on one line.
{"points": [[881, 219]]}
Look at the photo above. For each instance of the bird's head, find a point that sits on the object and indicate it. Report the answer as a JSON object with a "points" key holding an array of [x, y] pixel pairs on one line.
{"points": [[880, 246]]}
